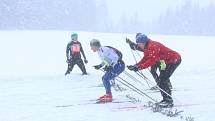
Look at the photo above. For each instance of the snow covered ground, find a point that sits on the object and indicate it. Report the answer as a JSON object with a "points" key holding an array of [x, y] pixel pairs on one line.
{"points": [[32, 81]]}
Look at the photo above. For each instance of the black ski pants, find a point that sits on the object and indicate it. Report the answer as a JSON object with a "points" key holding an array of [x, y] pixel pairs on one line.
{"points": [[153, 71], [80, 64], [164, 79]]}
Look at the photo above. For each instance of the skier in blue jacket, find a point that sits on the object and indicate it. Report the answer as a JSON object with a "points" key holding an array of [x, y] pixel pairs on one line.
{"points": [[113, 66]]}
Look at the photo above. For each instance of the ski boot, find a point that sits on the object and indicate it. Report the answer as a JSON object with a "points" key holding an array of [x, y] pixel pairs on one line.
{"points": [[166, 103], [67, 72], [105, 98], [84, 73]]}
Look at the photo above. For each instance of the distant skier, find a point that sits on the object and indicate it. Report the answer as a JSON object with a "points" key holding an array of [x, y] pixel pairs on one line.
{"points": [[153, 53], [113, 66], [73, 55], [161, 65]]}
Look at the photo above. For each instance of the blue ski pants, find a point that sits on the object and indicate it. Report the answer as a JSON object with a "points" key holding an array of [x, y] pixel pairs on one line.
{"points": [[111, 74]]}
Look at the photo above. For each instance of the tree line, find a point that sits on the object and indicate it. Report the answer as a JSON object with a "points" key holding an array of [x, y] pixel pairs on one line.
{"points": [[92, 15]]}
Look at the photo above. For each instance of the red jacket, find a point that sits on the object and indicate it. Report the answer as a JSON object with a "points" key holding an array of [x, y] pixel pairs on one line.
{"points": [[154, 52]]}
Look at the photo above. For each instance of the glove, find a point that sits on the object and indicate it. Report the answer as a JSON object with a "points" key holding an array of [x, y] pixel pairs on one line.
{"points": [[107, 68], [97, 67], [128, 40], [85, 61], [132, 45], [162, 65], [133, 68], [69, 60]]}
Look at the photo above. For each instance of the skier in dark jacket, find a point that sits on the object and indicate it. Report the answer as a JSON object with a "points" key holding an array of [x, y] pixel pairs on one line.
{"points": [[73, 55], [153, 53], [160, 65]]}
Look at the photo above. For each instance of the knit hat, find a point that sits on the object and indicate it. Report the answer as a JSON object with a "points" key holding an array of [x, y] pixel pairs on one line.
{"points": [[141, 38], [74, 36]]}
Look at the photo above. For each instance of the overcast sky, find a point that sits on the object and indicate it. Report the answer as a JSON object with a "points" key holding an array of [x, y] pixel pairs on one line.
{"points": [[147, 10]]}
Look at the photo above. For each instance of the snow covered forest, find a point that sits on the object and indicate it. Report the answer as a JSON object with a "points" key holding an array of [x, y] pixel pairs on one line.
{"points": [[187, 19]]}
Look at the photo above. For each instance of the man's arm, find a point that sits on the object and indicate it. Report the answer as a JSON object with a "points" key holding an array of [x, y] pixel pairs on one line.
{"points": [[133, 45], [82, 51], [67, 50]]}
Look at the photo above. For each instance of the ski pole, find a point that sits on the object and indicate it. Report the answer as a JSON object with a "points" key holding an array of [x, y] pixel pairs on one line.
{"points": [[133, 87], [138, 89], [156, 85], [133, 78], [136, 62]]}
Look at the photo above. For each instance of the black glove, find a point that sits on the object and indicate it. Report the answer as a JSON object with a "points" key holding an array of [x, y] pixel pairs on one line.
{"points": [[133, 68], [128, 40], [97, 67], [69, 60], [85, 61], [107, 68], [132, 45]]}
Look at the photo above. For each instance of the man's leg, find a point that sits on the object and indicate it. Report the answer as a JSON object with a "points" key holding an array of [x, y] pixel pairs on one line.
{"points": [[81, 65], [153, 71], [164, 80], [70, 68], [111, 74], [169, 84]]}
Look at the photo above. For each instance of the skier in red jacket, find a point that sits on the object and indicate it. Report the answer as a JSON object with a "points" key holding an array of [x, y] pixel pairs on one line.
{"points": [[153, 53]]}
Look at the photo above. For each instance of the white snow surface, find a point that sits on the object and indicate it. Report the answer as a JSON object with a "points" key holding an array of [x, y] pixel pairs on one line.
{"points": [[32, 81]]}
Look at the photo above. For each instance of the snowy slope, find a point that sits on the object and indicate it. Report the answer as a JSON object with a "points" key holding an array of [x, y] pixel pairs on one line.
{"points": [[32, 81]]}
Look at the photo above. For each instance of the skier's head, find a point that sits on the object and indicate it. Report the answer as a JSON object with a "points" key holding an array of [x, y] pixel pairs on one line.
{"points": [[138, 34], [141, 38], [74, 37], [95, 44]]}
